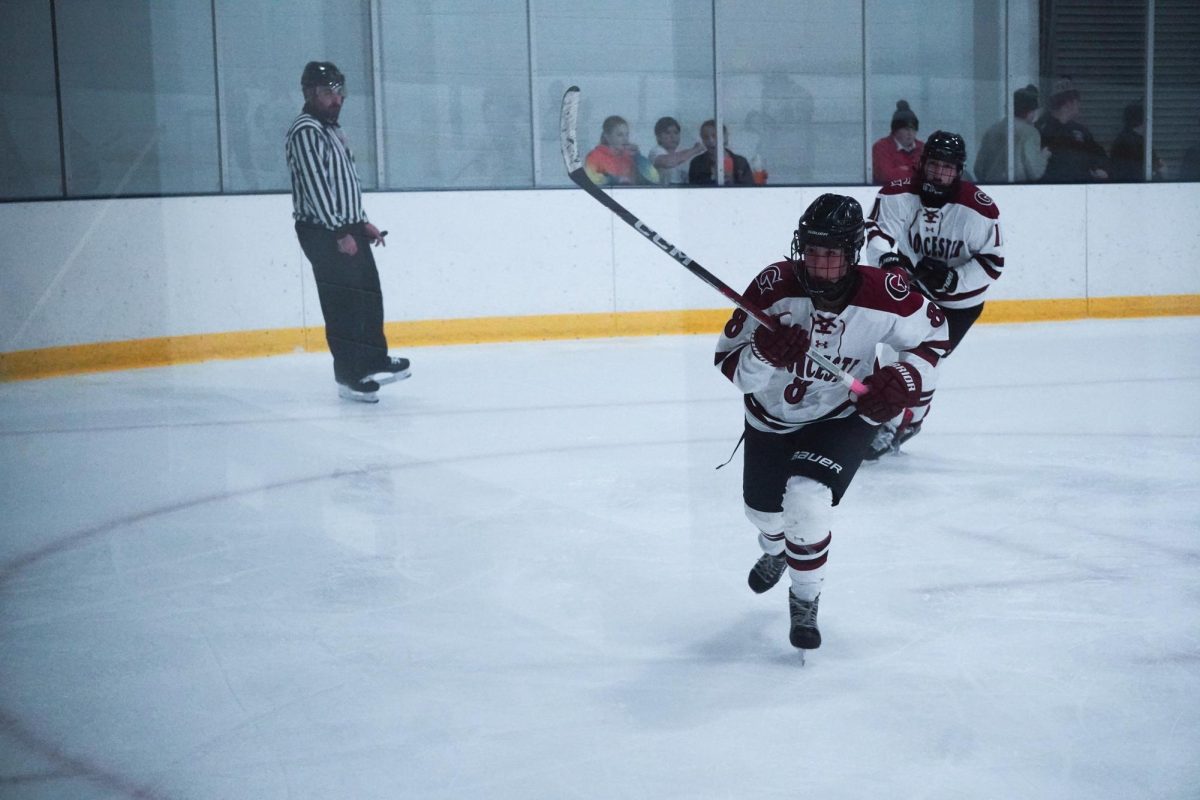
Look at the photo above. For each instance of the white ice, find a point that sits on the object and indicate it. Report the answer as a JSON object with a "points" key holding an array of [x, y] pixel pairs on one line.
{"points": [[520, 576]]}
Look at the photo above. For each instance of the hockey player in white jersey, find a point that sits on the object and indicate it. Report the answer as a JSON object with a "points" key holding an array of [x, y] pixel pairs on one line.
{"points": [[944, 233], [805, 434]]}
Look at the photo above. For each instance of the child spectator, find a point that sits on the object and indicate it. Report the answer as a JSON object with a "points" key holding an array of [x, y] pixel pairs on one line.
{"points": [[616, 161], [670, 161]]}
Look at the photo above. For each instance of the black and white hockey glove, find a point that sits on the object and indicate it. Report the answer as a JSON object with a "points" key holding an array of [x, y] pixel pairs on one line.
{"points": [[781, 347], [892, 389], [896, 262], [935, 276]]}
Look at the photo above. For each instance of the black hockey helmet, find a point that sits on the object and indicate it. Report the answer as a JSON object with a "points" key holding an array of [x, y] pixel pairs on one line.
{"points": [[947, 147], [834, 221], [321, 73]]}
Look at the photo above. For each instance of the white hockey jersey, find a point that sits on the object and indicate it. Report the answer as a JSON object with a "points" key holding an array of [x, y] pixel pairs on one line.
{"points": [[882, 309], [965, 233]]}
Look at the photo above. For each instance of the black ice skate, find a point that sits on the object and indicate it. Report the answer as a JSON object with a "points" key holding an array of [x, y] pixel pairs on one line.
{"points": [[805, 634], [890, 436], [396, 369], [364, 391], [766, 572]]}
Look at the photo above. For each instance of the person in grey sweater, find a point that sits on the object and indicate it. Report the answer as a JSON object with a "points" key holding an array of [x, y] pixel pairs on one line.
{"points": [[1029, 157]]}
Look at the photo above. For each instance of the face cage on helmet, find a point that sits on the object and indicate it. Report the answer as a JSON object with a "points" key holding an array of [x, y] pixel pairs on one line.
{"points": [[823, 289], [935, 192], [945, 158]]}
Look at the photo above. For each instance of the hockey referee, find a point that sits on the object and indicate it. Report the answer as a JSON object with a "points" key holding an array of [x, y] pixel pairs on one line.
{"points": [[334, 233]]}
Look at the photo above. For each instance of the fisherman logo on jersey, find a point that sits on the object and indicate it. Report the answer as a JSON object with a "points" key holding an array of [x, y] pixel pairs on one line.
{"points": [[768, 278]]}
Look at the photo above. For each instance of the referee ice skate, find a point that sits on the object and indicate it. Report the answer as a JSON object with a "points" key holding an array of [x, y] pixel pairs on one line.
{"points": [[334, 234]]}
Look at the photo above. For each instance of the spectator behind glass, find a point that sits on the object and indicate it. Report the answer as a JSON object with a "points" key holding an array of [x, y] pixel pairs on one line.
{"points": [[670, 161], [1128, 154], [896, 156], [616, 161], [702, 171], [1029, 157], [1075, 157]]}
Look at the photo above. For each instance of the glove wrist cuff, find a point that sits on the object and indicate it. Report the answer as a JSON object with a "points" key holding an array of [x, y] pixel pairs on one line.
{"points": [[758, 353]]}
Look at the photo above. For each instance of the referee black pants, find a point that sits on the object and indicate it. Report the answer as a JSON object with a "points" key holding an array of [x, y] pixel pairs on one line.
{"points": [[351, 302]]}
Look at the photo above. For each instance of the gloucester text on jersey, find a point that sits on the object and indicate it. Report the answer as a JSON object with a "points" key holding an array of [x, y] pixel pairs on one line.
{"points": [[936, 246]]}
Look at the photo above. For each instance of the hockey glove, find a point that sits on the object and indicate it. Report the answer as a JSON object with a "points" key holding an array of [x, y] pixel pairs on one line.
{"points": [[896, 262], [935, 276], [781, 347], [892, 389]]}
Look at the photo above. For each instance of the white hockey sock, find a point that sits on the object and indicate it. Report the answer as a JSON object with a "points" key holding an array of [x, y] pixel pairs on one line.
{"points": [[807, 509], [806, 566], [771, 543], [770, 529]]}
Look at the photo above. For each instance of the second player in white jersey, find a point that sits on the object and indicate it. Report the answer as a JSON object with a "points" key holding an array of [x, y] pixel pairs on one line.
{"points": [[959, 238], [944, 233]]}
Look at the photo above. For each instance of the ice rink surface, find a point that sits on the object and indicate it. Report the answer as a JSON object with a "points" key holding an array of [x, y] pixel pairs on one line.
{"points": [[520, 576]]}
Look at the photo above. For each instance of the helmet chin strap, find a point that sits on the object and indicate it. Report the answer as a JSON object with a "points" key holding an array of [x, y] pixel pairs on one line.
{"points": [[935, 195], [837, 300]]}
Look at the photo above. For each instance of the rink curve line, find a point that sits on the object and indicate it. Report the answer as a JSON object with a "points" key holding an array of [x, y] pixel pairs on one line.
{"points": [[77, 767], [9, 568]]}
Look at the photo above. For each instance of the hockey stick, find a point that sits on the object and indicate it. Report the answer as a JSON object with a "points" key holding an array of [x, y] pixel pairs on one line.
{"points": [[576, 172]]}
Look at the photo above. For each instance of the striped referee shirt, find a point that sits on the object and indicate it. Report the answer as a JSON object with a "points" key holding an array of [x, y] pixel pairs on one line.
{"points": [[325, 187]]}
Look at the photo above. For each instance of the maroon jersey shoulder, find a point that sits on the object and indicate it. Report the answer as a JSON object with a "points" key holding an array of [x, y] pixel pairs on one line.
{"points": [[884, 290], [900, 186], [777, 281], [976, 199]]}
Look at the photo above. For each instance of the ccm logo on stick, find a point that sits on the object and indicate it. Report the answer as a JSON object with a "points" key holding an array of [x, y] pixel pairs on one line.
{"points": [[665, 246], [804, 455]]}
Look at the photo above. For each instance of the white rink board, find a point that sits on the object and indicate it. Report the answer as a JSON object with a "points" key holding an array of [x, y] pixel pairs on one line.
{"points": [[94, 271]]}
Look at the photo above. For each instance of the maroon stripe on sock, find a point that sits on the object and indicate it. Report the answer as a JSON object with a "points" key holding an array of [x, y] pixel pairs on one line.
{"points": [[809, 550], [807, 565]]}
